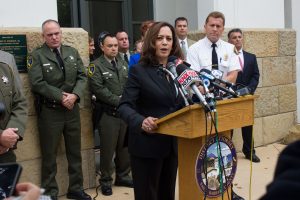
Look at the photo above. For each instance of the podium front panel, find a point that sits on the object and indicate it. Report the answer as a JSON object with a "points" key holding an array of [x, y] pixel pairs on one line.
{"points": [[188, 150]]}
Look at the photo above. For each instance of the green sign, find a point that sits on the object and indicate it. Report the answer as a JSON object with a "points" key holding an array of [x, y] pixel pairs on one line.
{"points": [[16, 45]]}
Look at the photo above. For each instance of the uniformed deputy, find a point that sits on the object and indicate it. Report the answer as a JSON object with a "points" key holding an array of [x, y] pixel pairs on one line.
{"points": [[57, 76], [10, 60], [200, 55], [13, 114], [107, 79]]}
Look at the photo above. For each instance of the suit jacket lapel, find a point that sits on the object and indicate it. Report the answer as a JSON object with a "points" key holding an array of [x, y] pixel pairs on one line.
{"points": [[246, 60], [160, 79]]}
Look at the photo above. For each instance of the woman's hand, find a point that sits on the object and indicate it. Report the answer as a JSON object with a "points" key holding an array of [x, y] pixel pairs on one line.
{"points": [[149, 124]]}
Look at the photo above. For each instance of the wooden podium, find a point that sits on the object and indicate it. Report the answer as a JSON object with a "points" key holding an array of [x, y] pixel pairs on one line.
{"points": [[188, 124]]}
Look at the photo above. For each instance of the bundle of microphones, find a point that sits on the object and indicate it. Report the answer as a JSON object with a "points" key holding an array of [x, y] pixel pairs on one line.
{"points": [[213, 87]]}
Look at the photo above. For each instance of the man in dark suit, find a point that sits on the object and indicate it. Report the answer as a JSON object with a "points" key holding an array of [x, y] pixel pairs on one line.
{"points": [[181, 28], [123, 46], [247, 77]]}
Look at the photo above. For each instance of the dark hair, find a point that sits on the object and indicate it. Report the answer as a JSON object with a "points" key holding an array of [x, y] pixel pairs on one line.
{"points": [[145, 26], [121, 31], [48, 21], [216, 14], [234, 31], [148, 55], [180, 19], [102, 36], [91, 39]]}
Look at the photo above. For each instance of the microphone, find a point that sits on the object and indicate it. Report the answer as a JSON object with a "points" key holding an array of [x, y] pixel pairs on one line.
{"points": [[182, 91], [241, 92], [172, 68], [173, 61], [187, 78], [217, 74], [177, 61], [208, 79]]}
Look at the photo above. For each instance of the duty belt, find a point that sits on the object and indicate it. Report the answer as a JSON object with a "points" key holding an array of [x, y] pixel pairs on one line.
{"points": [[109, 110], [51, 103]]}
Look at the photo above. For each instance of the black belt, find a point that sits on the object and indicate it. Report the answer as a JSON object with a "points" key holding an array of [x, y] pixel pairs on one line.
{"points": [[109, 110], [51, 103]]}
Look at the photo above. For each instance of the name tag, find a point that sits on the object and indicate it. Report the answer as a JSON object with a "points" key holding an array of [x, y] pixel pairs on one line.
{"points": [[47, 64]]}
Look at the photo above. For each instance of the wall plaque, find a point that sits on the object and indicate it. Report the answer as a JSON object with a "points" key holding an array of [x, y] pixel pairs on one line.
{"points": [[16, 45]]}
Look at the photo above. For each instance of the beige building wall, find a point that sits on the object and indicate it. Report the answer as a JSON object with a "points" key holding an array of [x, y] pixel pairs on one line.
{"points": [[275, 108], [28, 152]]}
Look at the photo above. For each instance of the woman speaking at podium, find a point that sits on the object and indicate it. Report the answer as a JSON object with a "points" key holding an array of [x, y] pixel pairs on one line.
{"points": [[148, 95]]}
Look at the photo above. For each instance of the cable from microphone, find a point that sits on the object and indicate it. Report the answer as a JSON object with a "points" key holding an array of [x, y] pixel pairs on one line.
{"points": [[188, 78]]}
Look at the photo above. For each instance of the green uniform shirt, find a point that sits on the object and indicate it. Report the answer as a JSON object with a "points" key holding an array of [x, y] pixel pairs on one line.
{"points": [[47, 78], [15, 106], [106, 82]]}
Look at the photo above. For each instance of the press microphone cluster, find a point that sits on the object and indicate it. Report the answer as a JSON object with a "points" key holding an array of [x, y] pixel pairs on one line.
{"points": [[213, 82], [187, 100], [186, 78]]}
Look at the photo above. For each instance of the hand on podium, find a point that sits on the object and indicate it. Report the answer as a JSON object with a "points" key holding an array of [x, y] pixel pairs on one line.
{"points": [[149, 124]]}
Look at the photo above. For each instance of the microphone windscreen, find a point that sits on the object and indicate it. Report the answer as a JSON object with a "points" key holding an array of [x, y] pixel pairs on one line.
{"points": [[172, 58], [187, 64], [180, 68]]}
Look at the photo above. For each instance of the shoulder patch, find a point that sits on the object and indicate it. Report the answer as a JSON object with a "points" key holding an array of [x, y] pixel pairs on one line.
{"points": [[29, 62], [91, 69]]}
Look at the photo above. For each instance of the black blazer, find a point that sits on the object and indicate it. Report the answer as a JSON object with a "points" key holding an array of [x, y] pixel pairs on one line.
{"points": [[250, 75], [148, 93]]}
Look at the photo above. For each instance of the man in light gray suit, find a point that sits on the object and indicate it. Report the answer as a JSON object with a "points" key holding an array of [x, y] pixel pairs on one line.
{"points": [[10, 60]]}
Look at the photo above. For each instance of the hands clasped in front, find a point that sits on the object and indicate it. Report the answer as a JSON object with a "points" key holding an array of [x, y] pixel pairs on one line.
{"points": [[149, 124], [8, 139], [68, 100]]}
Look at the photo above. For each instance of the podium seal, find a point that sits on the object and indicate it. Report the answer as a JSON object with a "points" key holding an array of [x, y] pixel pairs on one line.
{"points": [[213, 174]]}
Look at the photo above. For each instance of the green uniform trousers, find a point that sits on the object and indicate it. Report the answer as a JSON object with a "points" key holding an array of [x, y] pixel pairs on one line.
{"points": [[112, 135], [52, 124], [8, 157]]}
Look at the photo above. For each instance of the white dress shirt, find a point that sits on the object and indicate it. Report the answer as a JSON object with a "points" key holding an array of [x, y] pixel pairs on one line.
{"points": [[199, 55]]}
